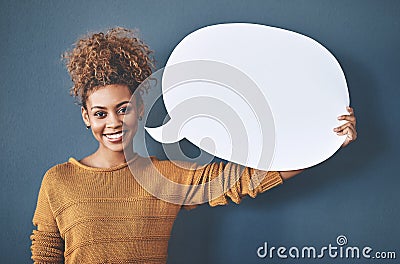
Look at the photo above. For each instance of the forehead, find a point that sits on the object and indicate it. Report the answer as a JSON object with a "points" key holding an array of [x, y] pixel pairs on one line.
{"points": [[109, 95]]}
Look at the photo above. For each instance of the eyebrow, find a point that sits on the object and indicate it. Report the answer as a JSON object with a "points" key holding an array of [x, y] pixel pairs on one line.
{"points": [[118, 105]]}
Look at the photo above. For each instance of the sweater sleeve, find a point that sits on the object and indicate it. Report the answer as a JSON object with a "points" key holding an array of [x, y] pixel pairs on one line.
{"points": [[233, 182], [47, 244], [228, 181]]}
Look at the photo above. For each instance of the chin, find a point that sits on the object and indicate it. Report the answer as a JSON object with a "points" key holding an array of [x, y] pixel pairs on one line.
{"points": [[113, 147], [117, 144]]}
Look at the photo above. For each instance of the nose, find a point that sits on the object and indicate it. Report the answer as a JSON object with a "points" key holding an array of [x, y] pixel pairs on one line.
{"points": [[113, 120]]}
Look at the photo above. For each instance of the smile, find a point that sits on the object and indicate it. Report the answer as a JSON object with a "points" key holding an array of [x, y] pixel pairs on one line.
{"points": [[115, 137]]}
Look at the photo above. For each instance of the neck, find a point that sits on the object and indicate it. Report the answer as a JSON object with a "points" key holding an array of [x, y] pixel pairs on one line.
{"points": [[106, 158]]}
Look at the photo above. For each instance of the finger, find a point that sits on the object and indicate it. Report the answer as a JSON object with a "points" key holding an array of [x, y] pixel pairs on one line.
{"points": [[347, 140], [342, 132], [349, 131], [351, 135], [350, 118], [350, 110], [345, 143], [342, 127]]}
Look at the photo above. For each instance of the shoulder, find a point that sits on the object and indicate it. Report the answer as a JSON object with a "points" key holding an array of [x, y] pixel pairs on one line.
{"points": [[57, 172], [59, 169]]}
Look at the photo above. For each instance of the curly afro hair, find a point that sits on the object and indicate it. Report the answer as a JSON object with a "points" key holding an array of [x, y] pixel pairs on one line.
{"points": [[116, 57]]}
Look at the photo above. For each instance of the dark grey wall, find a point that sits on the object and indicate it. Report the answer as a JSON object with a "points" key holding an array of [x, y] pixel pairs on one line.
{"points": [[355, 193]]}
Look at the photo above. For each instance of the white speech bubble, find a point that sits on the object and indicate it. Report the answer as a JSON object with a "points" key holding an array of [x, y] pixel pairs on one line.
{"points": [[287, 116]]}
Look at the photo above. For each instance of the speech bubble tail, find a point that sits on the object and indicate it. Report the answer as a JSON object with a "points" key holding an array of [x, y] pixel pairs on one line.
{"points": [[159, 135]]}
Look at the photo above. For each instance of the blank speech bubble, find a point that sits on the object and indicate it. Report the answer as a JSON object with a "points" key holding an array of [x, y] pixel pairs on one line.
{"points": [[259, 96]]}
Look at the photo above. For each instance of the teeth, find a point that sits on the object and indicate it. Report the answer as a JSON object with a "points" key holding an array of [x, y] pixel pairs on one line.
{"points": [[114, 136]]}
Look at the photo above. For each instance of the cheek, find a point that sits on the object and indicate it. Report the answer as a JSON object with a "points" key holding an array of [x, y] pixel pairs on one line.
{"points": [[97, 126], [131, 121]]}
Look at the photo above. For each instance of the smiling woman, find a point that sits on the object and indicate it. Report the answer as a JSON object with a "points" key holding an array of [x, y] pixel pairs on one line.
{"points": [[93, 210], [104, 113]]}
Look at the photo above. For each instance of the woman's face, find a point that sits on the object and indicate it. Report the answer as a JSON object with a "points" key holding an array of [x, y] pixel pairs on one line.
{"points": [[105, 111]]}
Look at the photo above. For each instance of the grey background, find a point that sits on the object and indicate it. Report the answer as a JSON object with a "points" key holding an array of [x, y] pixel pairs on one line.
{"points": [[354, 193]]}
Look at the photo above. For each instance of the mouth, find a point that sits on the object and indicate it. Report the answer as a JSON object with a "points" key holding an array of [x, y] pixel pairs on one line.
{"points": [[115, 137]]}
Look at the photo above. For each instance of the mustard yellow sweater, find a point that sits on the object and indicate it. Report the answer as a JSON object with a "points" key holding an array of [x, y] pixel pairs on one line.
{"points": [[96, 215]]}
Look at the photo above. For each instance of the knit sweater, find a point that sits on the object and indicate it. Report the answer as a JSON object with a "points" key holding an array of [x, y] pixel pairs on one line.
{"points": [[103, 215]]}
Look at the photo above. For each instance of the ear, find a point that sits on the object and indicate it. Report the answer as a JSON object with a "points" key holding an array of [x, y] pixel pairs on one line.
{"points": [[85, 116], [139, 105], [140, 108]]}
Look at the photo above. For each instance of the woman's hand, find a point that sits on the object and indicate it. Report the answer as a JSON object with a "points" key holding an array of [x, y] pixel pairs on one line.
{"points": [[348, 128]]}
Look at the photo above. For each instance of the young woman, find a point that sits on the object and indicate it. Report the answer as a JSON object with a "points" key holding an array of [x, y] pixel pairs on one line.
{"points": [[94, 210]]}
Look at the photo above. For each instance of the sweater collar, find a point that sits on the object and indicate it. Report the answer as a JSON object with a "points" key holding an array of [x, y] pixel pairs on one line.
{"points": [[114, 168]]}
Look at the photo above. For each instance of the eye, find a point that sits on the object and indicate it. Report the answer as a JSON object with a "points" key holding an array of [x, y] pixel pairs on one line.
{"points": [[124, 110], [100, 114]]}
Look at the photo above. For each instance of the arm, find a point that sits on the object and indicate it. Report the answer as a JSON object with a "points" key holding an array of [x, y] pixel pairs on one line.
{"points": [[47, 244], [189, 184], [348, 129], [217, 183], [286, 175]]}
